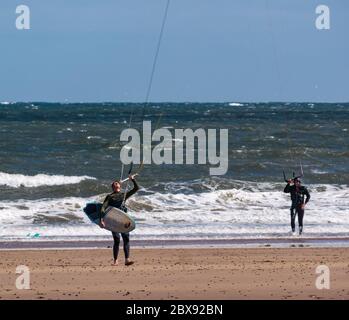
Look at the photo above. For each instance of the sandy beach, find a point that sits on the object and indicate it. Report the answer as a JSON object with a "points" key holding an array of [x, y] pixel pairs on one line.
{"points": [[254, 273]]}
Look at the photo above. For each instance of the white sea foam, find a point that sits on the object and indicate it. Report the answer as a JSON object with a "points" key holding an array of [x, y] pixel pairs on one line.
{"points": [[317, 171], [236, 104], [252, 211], [18, 180]]}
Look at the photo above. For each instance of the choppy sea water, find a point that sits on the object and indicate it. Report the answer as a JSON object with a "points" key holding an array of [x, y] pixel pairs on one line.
{"points": [[56, 157]]}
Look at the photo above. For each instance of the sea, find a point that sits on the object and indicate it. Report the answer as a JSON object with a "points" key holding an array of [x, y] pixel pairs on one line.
{"points": [[56, 157]]}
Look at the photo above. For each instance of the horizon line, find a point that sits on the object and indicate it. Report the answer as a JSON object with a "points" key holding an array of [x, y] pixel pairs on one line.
{"points": [[172, 102]]}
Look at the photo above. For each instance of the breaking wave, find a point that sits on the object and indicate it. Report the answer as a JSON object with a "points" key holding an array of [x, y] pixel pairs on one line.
{"points": [[19, 180]]}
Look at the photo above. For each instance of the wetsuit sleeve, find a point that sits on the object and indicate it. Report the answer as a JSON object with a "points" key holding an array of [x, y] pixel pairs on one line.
{"points": [[134, 190], [104, 206], [307, 194], [287, 188]]}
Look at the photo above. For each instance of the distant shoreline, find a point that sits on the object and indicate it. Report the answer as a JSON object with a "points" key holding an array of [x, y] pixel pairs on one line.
{"points": [[200, 243]]}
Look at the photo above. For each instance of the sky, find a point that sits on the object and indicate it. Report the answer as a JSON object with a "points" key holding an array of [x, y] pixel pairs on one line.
{"points": [[212, 51]]}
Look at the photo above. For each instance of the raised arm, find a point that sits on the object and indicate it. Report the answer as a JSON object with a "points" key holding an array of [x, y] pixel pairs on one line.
{"points": [[135, 188], [287, 188]]}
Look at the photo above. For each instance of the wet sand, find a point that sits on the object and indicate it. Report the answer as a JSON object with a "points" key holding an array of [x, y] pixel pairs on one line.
{"points": [[224, 273], [181, 243]]}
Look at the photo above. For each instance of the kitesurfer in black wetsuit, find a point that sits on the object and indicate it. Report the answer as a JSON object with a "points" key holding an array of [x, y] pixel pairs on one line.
{"points": [[298, 193], [116, 199]]}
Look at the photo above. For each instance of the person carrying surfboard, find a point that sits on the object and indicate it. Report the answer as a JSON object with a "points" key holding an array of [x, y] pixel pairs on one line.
{"points": [[298, 193], [117, 199]]}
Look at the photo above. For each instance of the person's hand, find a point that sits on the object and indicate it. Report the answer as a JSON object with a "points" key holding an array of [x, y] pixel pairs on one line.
{"points": [[289, 181], [102, 224], [303, 206]]}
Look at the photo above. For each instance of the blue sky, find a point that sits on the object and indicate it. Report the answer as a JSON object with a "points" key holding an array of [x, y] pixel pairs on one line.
{"points": [[225, 50]]}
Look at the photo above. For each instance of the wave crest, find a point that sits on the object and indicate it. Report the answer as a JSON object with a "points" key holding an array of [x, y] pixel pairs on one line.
{"points": [[20, 180]]}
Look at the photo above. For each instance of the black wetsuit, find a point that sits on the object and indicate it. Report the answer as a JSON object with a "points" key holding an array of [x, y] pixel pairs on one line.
{"points": [[298, 193], [116, 200]]}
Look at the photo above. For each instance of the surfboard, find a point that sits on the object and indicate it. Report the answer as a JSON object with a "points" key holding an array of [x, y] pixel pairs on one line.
{"points": [[115, 220]]}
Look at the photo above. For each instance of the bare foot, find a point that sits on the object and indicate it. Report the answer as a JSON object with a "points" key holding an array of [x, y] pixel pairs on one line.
{"points": [[115, 263], [129, 263]]}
